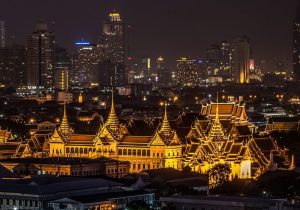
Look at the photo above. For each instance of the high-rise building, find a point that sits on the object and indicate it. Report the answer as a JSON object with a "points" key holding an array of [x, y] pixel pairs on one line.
{"points": [[225, 61], [163, 74], [88, 58], [73, 73], [213, 64], [296, 44], [113, 45], [218, 63], [255, 71], [113, 35], [187, 72], [2, 34], [18, 61], [62, 69], [13, 66], [40, 58], [145, 70], [107, 73], [240, 60]]}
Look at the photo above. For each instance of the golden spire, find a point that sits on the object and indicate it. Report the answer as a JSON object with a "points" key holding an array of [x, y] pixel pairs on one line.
{"points": [[216, 132], [64, 126], [112, 120], [292, 165], [165, 126]]}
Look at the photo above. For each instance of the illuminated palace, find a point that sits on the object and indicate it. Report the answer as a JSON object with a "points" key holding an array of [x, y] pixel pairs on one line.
{"points": [[223, 135], [113, 140]]}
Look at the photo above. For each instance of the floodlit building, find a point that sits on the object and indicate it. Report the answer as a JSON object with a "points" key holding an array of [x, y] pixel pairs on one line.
{"points": [[113, 140], [112, 45], [220, 134], [240, 60], [224, 135]]}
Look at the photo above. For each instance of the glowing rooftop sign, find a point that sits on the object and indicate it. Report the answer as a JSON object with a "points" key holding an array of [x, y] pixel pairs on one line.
{"points": [[82, 43]]}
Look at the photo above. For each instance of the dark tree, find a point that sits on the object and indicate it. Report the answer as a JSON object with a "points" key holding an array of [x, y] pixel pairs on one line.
{"points": [[218, 174]]}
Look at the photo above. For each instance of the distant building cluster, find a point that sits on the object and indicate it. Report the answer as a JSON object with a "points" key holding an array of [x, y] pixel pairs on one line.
{"points": [[43, 66]]}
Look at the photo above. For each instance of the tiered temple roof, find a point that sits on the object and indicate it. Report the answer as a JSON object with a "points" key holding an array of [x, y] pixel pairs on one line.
{"points": [[226, 136], [112, 121], [64, 127]]}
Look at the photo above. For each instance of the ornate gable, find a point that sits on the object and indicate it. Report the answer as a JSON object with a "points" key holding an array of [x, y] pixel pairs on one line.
{"points": [[157, 141], [56, 137], [111, 129], [165, 132], [64, 128]]}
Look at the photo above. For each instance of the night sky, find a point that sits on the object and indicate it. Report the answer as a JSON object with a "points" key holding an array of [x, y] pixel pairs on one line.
{"points": [[170, 28]]}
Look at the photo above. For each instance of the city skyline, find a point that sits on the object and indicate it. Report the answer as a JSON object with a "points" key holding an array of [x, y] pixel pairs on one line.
{"points": [[162, 20], [154, 105]]}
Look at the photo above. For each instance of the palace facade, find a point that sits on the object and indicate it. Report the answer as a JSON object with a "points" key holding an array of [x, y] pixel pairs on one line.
{"points": [[113, 140]]}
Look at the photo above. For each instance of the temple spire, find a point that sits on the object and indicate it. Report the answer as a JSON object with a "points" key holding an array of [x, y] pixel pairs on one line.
{"points": [[292, 165], [216, 131], [64, 126], [165, 126], [112, 120]]}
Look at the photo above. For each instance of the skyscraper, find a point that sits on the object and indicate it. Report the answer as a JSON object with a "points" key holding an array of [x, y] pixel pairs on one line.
{"points": [[213, 64], [218, 63], [225, 61], [40, 57], [163, 74], [240, 60], [88, 58], [113, 45], [62, 69], [2, 34], [107, 73], [12, 66], [145, 70], [296, 44], [187, 72], [18, 62]]}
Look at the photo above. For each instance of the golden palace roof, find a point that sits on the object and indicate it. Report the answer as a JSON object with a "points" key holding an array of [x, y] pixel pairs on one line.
{"points": [[230, 110]]}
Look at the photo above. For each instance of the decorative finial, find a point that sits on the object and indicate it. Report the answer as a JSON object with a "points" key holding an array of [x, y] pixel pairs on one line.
{"points": [[112, 120], [165, 114], [112, 98], [165, 126], [216, 131], [64, 126]]}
